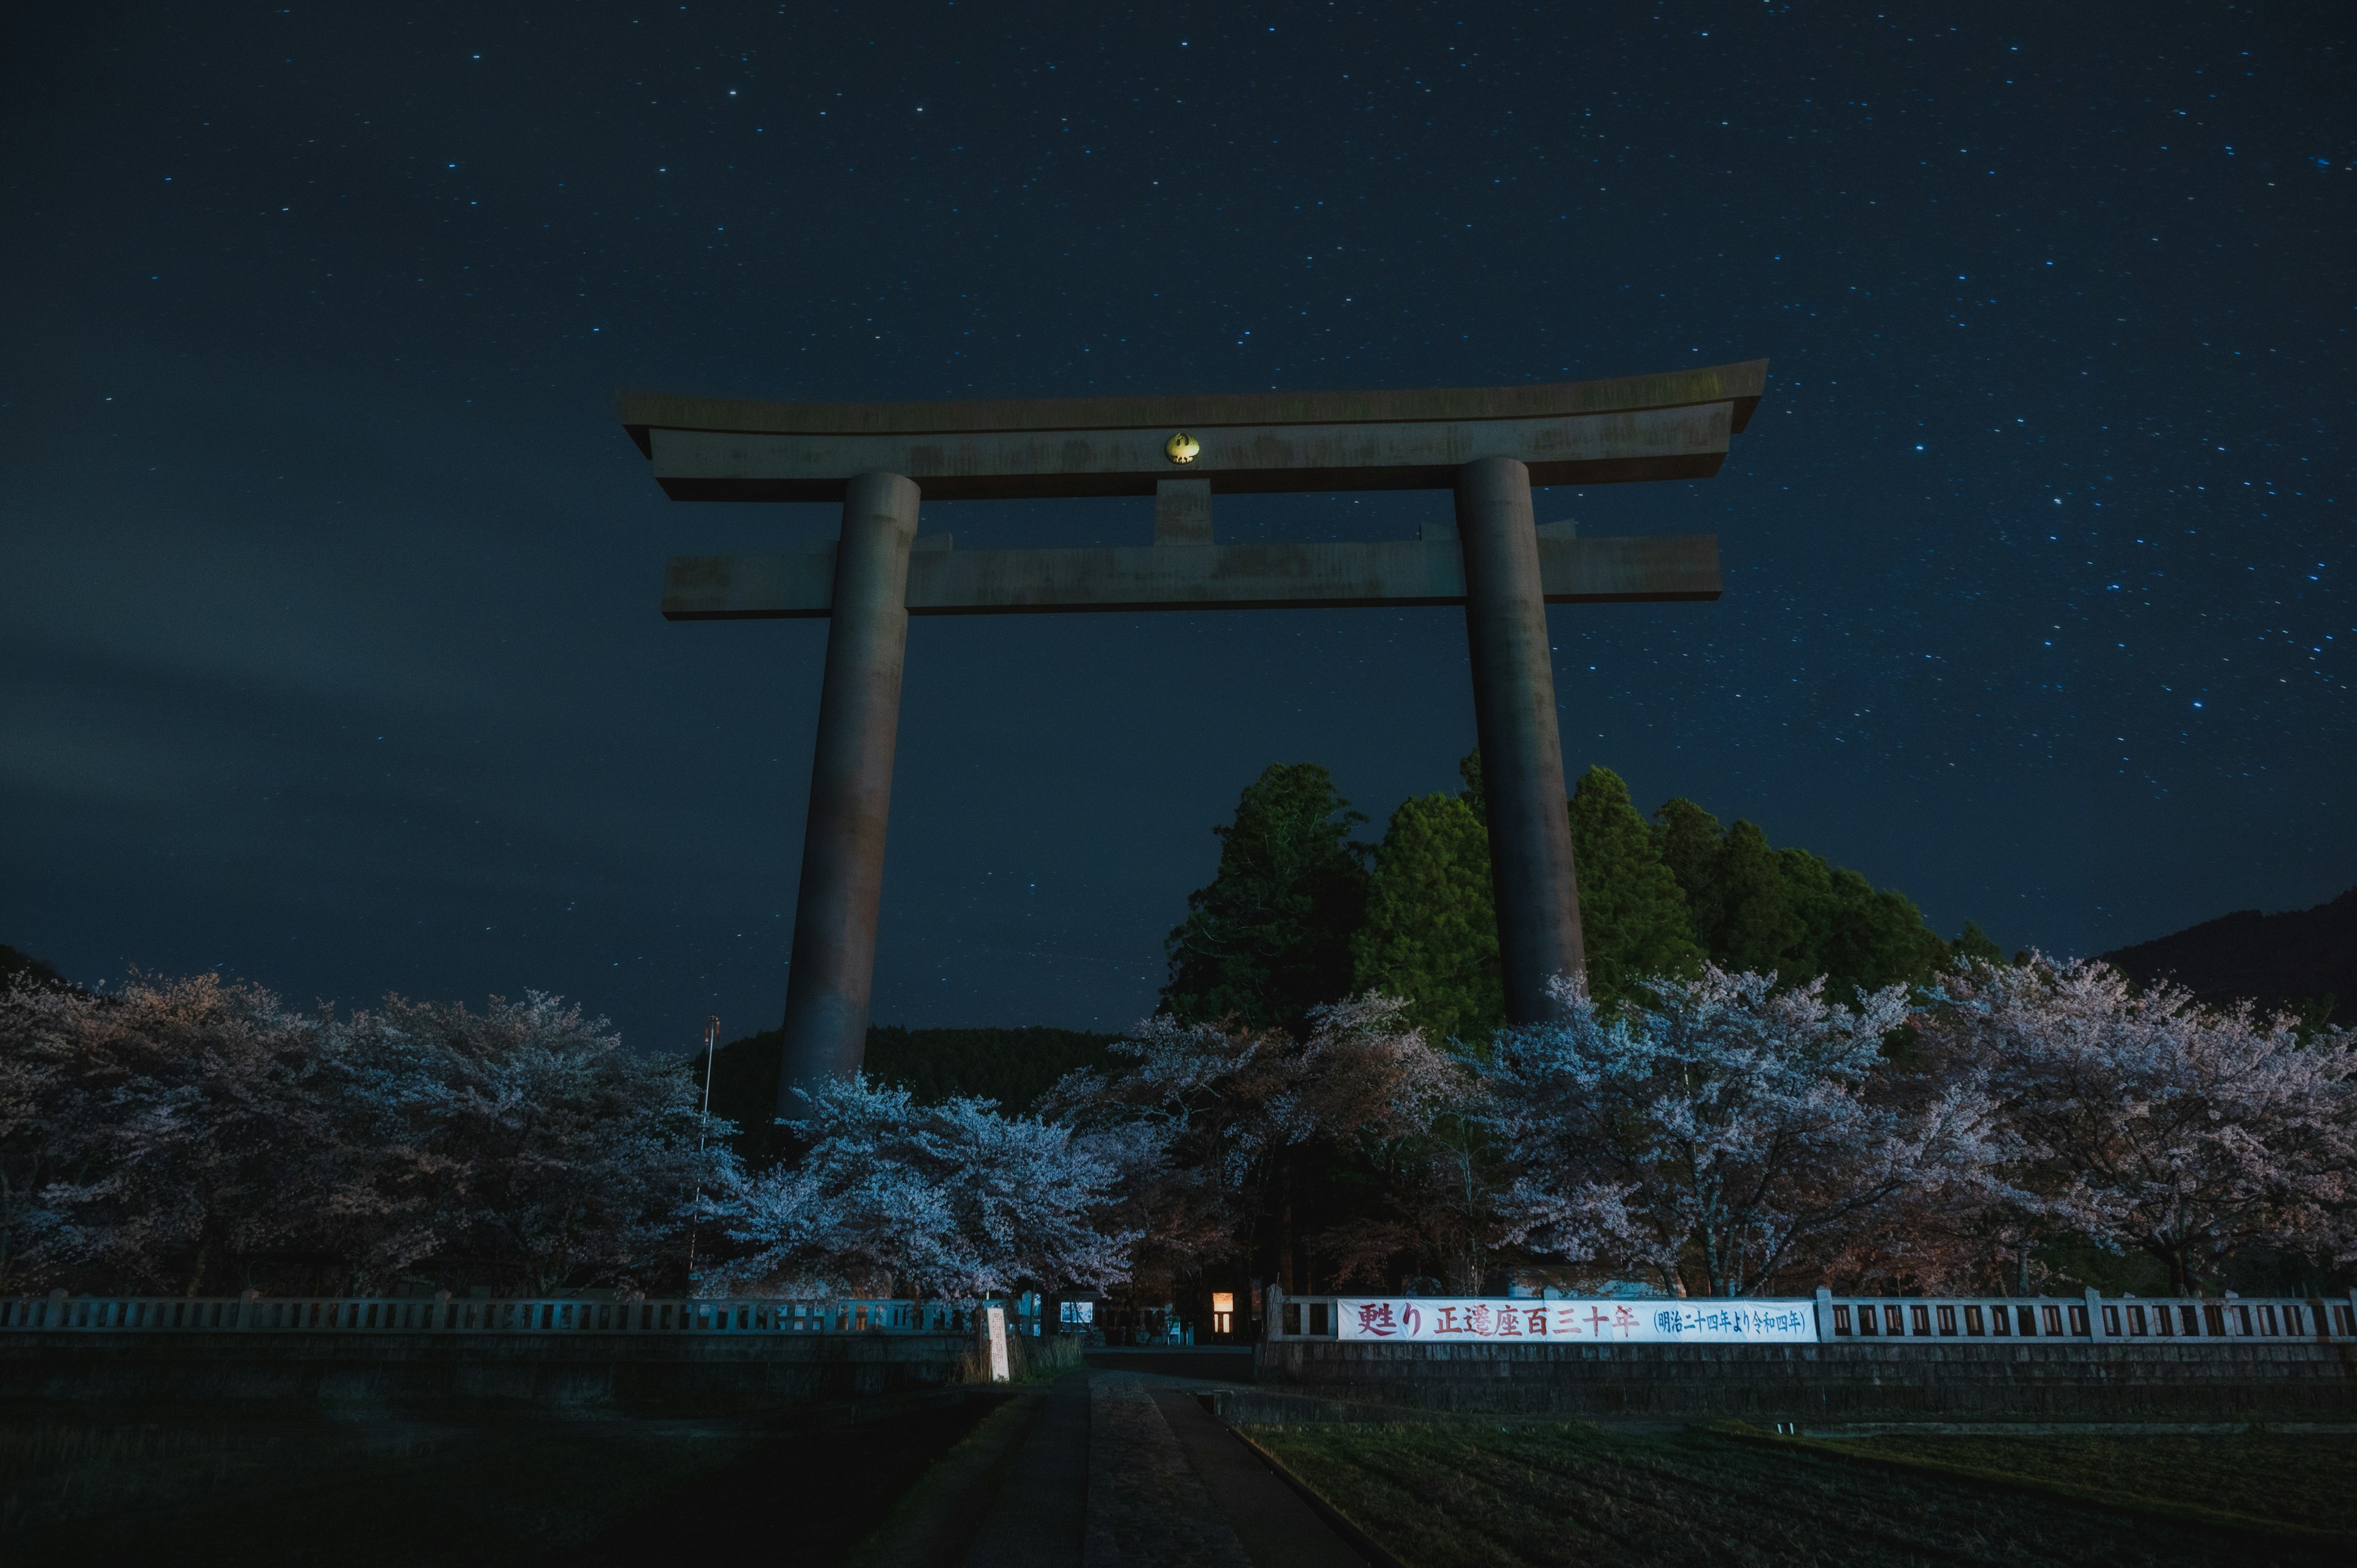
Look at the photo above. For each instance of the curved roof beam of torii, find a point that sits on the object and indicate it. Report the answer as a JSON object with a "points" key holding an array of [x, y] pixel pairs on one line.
{"points": [[1674, 425]]}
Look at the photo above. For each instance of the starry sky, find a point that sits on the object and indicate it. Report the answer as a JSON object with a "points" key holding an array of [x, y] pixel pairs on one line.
{"points": [[330, 651]]}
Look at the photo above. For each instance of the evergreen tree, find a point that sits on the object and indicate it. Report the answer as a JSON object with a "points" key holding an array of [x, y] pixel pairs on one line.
{"points": [[1468, 768], [1431, 935], [1632, 915], [1974, 945], [1757, 909], [1857, 936], [1759, 928], [1270, 938], [1688, 839]]}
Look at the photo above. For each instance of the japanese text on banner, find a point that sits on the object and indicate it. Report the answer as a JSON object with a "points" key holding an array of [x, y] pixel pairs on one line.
{"points": [[1425, 1320]]}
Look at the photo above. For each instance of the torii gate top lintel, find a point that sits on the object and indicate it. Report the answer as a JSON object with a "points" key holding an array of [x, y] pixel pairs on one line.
{"points": [[1490, 445], [1675, 425]]}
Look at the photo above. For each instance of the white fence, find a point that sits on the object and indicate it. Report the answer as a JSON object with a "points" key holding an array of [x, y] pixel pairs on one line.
{"points": [[445, 1314], [2088, 1319]]}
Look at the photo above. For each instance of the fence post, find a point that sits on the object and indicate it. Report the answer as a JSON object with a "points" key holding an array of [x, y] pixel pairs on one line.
{"points": [[2094, 1313], [245, 1313], [55, 1316], [1825, 1314]]}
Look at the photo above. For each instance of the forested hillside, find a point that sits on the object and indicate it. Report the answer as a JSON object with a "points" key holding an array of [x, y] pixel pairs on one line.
{"points": [[14, 964], [2302, 960], [1013, 1067]]}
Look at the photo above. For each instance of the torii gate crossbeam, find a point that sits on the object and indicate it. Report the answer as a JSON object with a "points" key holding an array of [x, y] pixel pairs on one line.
{"points": [[1489, 444]]}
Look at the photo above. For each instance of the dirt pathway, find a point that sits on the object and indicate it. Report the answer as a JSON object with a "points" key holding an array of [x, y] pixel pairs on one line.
{"points": [[1104, 1469]]}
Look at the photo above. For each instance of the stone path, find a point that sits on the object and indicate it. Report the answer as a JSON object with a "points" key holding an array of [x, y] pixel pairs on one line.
{"points": [[1146, 1504], [1127, 1470], [1271, 1521], [1040, 1513]]}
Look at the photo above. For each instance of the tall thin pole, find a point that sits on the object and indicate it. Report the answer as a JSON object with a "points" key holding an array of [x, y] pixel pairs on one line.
{"points": [[710, 1033], [711, 1037]]}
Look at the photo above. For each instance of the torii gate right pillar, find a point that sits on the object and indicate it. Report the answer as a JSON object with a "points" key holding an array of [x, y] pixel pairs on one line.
{"points": [[1531, 871]]}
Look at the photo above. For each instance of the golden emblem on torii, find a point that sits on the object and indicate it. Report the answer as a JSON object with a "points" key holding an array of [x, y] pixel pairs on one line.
{"points": [[1182, 447]]}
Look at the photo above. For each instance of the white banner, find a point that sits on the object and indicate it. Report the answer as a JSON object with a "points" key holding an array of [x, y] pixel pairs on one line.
{"points": [[1425, 1320]]}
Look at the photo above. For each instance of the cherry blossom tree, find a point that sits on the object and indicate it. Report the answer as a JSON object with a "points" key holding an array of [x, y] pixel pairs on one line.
{"points": [[522, 1143], [1238, 1108], [34, 1057], [163, 1136], [2151, 1122], [198, 1135], [1431, 1206], [1718, 1132], [951, 1200]]}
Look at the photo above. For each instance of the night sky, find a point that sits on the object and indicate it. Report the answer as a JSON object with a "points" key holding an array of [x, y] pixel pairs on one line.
{"points": [[329, 650]]}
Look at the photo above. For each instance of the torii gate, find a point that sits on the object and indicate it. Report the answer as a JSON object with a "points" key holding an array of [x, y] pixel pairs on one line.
{"points": [[1490, 445]]}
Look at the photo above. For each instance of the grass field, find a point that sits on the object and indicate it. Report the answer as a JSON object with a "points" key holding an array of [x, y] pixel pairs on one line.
{"points": [[581, 1493], [2307, 1483], [1438, 1495]]}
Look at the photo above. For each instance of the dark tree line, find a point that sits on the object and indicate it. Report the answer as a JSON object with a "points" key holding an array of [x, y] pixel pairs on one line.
{"points": [[1777, 1074], [1300, 913]]}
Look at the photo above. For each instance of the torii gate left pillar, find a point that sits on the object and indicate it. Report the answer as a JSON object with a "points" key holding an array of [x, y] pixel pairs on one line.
{"points": [[1488, 445]]}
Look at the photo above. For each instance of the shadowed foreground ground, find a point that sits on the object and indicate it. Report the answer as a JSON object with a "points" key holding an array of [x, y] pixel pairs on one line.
{"points": [[1441, 1495], [593, 1492], [1116, 1466]]}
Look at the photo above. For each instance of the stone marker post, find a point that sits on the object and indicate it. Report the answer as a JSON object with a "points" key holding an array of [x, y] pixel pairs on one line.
{"points": [[992, 1323], [833, 963]]}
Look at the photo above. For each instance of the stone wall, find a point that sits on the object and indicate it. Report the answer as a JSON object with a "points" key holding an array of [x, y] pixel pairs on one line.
{"points": [[636, 1374], [1936, 1380], [641, 1374]]}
